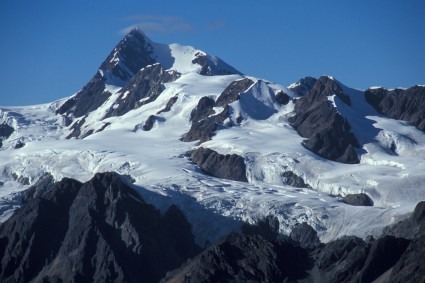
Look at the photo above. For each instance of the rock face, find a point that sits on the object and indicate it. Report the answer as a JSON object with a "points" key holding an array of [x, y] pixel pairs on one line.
{"points": [[131, 54], [149, 123], [5, 132], [253, 258], [102, 231], [412, 227], [282, 98], [143, 88], [99, 231], [411, 266], [303, 86], [400, 104], [292, 179], [229, 166], [328, 133], [358, 199], [268, 228], [233, 91], [244, 258], [204, 123], [305, 236], [350, 259], [211, 66]]}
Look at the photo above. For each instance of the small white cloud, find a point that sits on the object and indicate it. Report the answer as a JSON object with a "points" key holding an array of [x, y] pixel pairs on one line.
{"points": [[158, 24]]}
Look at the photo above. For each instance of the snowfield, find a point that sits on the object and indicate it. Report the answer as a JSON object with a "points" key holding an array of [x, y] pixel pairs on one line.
{"points": [[391, 169]]}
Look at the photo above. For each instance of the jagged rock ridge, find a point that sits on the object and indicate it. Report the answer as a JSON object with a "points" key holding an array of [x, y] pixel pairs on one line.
{"points": [[400, 104], [131, 54], [328, 133], [139, 67], [302, 258], [99, 231]]}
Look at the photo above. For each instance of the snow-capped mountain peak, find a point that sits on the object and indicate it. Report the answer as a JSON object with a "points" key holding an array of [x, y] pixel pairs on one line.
{"points": [[161, 113]]}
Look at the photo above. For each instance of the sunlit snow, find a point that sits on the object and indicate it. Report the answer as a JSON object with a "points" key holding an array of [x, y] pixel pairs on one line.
{"points": [[390, 171]]}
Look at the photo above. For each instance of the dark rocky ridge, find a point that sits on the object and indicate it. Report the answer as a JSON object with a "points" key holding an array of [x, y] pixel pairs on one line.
{"points": [[133, 53], [210, 68], [102, 231], [328, 133], [400, 104], [305, 236], [302, 258], [303, 86], [229, 166], [233, 91], [204, 123], [146, 85], [5, 132], [412, 227], [245, 258], [99, 231]]}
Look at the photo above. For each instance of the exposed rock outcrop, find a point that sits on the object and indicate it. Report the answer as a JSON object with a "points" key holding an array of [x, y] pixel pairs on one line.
{"points": [[131, 54], [410, 268], [305, 236], [211, 66], [253, 258], [204, 122], [229, 166], [268, 228], [328, 133], [358, 199], [412, 227], [148, 125], [303, 86], [143, 88], [170, 104], [244, 258], [292, 179], [5, 132], [233, 91], [99, 231], [403, 104], [282, 98]]}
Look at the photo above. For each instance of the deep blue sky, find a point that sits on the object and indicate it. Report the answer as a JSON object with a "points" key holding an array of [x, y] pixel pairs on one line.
{"points": [[50, 49]]}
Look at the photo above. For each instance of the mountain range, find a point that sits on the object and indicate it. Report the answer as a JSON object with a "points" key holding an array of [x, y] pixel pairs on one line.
{"points": [[170, 151]]}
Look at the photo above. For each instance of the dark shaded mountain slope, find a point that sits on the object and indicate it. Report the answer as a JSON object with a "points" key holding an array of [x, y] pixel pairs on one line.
{"points": [[131, 54], [302, 258], [99, 231], [226, 166], [328, 133], [400, 104]]}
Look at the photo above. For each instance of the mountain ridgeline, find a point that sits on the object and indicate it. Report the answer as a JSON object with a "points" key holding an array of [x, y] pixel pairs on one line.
{"points": [[214, 149], [140, 69], [103, 231]]}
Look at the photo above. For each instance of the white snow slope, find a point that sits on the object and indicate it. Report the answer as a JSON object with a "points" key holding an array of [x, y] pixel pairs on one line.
{"points": [[164, 175]]}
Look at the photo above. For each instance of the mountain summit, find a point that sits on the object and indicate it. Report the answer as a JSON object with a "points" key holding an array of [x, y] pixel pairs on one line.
{"points": [[133, 54], [224, 147]]}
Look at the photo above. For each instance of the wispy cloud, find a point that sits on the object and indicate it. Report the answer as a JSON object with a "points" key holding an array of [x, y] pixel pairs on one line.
{"points": [[158, 24], [217, 24]]}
